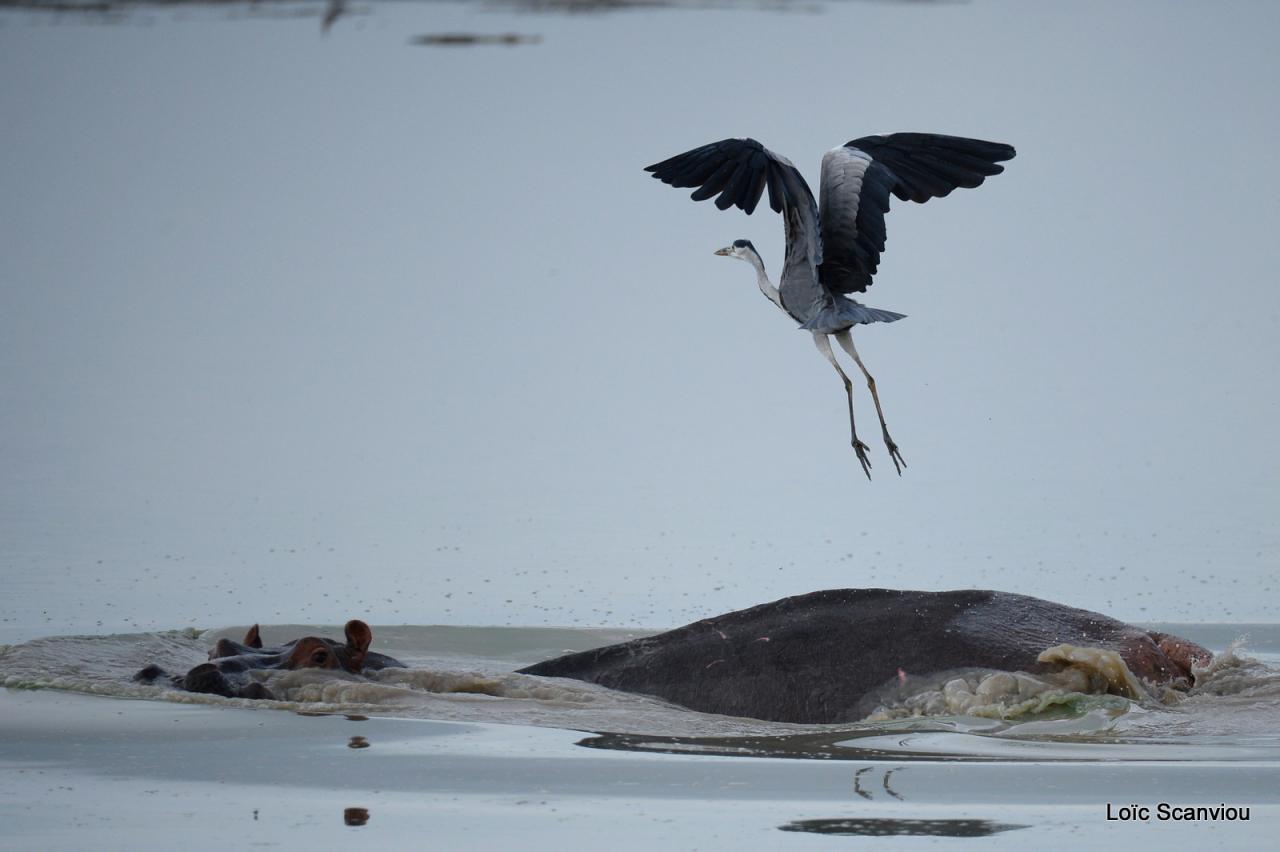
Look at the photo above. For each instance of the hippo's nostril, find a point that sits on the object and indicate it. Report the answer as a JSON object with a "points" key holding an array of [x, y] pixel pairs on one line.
{"points": [[149, 675], [206, 678]]}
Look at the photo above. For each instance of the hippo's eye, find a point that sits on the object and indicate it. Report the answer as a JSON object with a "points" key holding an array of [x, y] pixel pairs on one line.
{"points": [[320, 657]]}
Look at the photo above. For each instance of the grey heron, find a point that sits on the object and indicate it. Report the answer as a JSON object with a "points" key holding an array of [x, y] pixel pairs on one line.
{"points": [[833, 244]]}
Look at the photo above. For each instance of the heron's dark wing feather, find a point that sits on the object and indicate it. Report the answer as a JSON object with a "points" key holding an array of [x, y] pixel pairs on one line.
{"points": [[738, 171], [931, 165], [857, 180]]}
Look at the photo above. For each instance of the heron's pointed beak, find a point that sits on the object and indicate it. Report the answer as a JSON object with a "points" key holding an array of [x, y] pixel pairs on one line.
{"points": [[724, 251]]}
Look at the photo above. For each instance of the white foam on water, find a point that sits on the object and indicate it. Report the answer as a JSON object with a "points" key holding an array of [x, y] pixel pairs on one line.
{"points": [[1001, 695]]}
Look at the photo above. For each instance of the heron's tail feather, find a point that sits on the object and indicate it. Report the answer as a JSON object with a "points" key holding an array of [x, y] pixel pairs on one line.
{"points": [[839, 314], [867, 315]]}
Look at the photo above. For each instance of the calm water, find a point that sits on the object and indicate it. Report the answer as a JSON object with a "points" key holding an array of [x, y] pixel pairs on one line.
{"points": [[383, 319]]}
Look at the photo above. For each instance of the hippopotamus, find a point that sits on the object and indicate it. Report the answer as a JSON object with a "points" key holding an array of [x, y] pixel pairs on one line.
{"points": [[825, 657], [227, 672]]}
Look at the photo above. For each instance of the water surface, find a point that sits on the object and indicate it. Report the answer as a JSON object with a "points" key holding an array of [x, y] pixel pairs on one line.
{"points": [[461, 743]]}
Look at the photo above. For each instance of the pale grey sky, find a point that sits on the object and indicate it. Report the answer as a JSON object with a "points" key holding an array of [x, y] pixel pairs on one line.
{"points": [[297, 328]]}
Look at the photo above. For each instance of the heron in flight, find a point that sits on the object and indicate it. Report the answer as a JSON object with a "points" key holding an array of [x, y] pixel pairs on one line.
{"points": [[834, 244]]}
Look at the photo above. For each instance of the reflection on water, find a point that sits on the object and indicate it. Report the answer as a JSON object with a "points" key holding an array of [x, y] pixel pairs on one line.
{"points": [[884, 782], [357, 742], [1087, 739], [835, 744], [872, 827], [879, 742]]}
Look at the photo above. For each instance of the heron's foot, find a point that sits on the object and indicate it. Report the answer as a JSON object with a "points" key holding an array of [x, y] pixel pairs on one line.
{"points": [[898, 461], [861, 449]]}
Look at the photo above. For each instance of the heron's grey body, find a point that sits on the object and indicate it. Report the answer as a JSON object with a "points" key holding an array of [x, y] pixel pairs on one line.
{"points": [[834, 244]]}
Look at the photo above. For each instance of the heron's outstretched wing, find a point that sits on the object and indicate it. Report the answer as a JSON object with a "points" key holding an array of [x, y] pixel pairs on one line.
{"points": [[858, 177], [737, 171]]}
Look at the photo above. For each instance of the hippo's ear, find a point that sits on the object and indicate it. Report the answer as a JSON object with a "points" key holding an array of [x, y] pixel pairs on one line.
{"points": [[252, 639], [359, 638]]}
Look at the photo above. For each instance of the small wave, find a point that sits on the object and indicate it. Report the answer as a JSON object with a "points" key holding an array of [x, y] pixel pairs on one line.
{"points": [[1232, 693], [447, 687], [99, 664], [1086, 679], [1232, 673]]}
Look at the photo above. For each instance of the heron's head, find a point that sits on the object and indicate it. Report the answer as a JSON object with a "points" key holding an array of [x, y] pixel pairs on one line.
{"points": [[741, 249]]}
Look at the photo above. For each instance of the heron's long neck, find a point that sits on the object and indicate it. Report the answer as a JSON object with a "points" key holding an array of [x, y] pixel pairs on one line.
{"points": [[766, 287]]}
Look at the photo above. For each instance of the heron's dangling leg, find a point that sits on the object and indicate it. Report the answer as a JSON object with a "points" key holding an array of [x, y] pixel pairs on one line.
{"points": [[824, 346], [845, 339]]}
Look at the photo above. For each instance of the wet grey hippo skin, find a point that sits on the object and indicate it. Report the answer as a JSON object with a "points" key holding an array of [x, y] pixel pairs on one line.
{"points": [[821, 657], [227, 672]]}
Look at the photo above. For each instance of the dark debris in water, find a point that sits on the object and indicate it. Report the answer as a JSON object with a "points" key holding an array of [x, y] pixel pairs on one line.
{"points": [[875, 827], [472, 39]]}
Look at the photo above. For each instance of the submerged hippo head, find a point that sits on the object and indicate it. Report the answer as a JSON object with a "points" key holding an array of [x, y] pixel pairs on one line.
{"points": [[227, 672]]}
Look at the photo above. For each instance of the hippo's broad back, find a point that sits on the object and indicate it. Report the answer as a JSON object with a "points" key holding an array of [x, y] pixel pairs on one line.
{"points": [[816, 658]]}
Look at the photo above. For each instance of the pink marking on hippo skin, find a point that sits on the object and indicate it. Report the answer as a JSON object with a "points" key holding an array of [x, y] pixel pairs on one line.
{"points": [[713, 663], [763, 639], [1182, 652], [902, 676], [722, 636]]}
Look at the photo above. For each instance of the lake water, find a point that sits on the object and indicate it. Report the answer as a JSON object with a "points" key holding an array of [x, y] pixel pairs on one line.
{"points": [[462, 748], [383, 319]]}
